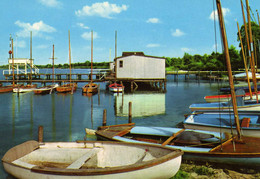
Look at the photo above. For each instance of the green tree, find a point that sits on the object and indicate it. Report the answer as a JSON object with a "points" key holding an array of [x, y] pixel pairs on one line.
{"points": [[256, 38]]}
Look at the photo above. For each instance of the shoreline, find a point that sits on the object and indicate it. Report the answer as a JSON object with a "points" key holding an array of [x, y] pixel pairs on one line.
{"points": [[194, 170]]}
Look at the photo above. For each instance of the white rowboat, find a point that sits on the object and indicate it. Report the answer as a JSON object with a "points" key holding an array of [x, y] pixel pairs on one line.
{"points": [[91, 159]]}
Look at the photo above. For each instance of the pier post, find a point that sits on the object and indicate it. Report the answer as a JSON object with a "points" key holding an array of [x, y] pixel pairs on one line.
{"points": [[104, 117], [40, 134], [130, 112]]}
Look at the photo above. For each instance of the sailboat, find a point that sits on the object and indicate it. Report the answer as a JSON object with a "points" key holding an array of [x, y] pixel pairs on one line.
{"points": [[9, 88], [70, 87], [216, 147], [29, 87], [227, 97], [115, 87], [90, 87], [48, 89]]}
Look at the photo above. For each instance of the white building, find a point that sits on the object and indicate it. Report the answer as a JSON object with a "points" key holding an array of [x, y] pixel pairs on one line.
{"points": [[138, 66]]}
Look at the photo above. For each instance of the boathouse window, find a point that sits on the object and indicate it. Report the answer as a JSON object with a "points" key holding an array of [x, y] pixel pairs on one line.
{"points": [[121, 63]]}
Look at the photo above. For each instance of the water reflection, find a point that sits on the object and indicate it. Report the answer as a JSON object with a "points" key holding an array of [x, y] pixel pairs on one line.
{"points": [[144, 104], [53, 117]]}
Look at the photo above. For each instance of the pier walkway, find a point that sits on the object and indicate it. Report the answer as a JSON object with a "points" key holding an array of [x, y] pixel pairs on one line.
{"points": [[97, 76]]}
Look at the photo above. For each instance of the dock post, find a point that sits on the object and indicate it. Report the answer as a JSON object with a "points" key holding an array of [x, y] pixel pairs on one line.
{"points": [[40, 134], [130, 112], [104, 117]]}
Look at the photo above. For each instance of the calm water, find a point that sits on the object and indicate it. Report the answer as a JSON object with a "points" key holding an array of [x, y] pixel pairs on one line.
{"points": [[65, 117]]}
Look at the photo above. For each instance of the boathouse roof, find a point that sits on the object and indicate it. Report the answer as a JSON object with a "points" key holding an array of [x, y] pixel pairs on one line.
{"points": [[125, 54]]}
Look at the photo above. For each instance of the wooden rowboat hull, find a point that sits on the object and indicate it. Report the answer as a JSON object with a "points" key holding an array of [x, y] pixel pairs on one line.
{"points": [[5, 89], [247, 153], [66, 88], [90, 88], [103, 160]]}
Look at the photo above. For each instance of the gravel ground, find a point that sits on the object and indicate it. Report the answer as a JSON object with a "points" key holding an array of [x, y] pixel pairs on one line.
{"points": [[205, 171]]}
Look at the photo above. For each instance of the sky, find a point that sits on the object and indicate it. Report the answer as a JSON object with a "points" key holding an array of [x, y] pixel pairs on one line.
{"points": [[163, 28]]}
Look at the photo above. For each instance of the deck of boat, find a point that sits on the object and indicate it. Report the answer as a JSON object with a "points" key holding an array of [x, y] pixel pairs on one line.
{"points": [[115, 130], [246, 145]]}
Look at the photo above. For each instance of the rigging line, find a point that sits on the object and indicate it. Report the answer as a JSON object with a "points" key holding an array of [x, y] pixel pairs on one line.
{"points": [[216, 50], [252, 16]]}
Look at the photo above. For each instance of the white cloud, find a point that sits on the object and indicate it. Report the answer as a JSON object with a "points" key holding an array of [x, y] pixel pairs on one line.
{"points": [[51, 3], [87, 35], [225, 12], [20, 44], [152, 45], [101, 9], [177, 33], [38, 29], [82, 26], [153, 20], [185, 49]]}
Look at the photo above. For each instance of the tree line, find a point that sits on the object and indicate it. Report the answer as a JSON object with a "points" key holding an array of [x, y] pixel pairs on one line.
{"points": [[78, 65], [216, 61]]}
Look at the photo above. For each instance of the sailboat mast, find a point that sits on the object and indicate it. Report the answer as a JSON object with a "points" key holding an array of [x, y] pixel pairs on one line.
{"points": [[258, 18], [69, 57], [12, 55], [244, 58], [31, 56], [53, 63], [115, 55], [91, 56], [251, 49], [247, 41], [225, 43]]}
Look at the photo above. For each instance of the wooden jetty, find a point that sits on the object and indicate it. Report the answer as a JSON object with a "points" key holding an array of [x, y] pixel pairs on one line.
{"points": [[102, 75]]}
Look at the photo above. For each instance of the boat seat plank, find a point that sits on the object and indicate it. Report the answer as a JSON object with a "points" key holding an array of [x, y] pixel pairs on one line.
{"points": [[23, 164], [80, 161], [172, 137]]}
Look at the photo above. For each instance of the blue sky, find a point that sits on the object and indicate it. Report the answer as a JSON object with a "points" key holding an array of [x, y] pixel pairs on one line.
{"points": [[157, 27]]}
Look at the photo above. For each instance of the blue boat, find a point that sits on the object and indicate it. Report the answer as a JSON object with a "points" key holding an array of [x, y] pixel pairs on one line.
{"points": [[224, 122], [198, 145], [247, 105]]}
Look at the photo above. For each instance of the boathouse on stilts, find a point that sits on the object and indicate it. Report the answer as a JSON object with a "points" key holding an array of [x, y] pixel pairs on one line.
{"points": [[135, 68]]}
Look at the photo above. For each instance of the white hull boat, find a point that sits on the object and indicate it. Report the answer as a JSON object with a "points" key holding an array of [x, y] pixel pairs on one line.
{"points": [[91, 159]]}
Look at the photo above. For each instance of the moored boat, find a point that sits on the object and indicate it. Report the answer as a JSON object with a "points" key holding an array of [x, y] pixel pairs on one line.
{"points": [[45, 89], [71, 87], [91, 159], [115, 87], [90, 88], [198, 145], [224, 122], [25, 89], [9, 88], [227, 97], [245, 105]]}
